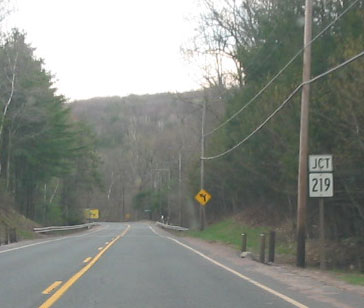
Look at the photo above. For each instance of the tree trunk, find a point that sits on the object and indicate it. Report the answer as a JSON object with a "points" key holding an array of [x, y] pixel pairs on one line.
{"points": [[10, 98], [8, 164]]}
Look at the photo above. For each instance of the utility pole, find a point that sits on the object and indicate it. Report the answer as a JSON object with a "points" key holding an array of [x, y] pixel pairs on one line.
{"points": [[302, 168], [168, 203], [202, 175], [159, 170], [123, 203], [180, 187]]}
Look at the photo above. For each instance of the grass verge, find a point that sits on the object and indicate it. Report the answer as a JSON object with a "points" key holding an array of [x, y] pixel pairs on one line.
{"points": [[229, 231], [352, 278]]}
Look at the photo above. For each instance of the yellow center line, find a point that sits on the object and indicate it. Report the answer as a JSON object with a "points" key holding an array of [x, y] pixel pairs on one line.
{"points": [[56, 296], [53, 286], [87, 260]]}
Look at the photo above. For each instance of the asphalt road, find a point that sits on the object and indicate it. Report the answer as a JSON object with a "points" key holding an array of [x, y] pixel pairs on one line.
{"points": [[136, 265]]}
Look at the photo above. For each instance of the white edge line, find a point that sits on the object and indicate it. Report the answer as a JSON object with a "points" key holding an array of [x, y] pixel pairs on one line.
{"points": [[259, 285], [50, 241], [150, 227]]}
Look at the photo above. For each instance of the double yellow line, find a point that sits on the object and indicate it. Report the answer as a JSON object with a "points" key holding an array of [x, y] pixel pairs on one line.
{"points": [[63, 289]]}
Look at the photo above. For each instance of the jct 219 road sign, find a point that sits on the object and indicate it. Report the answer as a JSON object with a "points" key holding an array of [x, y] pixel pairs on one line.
{"points": [[321, 185], [203, 197], [320, 163]]}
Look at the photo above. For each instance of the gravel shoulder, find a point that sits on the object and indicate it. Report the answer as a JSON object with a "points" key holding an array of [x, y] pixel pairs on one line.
{"points": [[315, 284]]}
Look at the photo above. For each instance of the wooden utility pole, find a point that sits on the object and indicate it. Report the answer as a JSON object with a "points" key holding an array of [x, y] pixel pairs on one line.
{"points": [[180, 187], [168, 203], [302, 169], [159, 170], [123, 203], [202, 179]]}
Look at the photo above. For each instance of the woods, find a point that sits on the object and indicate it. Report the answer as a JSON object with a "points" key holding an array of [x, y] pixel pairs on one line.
{"points": [[46, 156], [140, 139], [259, 38], [264, 169]]}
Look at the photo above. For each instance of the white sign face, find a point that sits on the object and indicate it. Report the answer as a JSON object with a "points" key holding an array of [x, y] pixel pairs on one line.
{"points": [[321, 185], [320, 163]]}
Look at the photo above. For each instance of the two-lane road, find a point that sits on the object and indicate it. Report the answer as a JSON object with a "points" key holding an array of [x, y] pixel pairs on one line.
{"points": [[27, 271], [136, 265]]}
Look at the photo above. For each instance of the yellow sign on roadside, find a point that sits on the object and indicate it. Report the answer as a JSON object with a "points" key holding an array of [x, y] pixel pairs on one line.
{"points": [[203, 197], [92, 213]]}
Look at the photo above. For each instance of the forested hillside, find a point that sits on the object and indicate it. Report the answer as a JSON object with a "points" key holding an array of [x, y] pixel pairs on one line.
{"points": [[140, 140]]}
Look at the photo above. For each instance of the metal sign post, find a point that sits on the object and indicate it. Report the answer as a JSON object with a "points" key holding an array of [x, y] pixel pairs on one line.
{"points": [[322, 235]]}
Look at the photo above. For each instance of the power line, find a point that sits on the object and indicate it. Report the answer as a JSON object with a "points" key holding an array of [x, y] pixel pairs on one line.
{"points": [[282, 70], [283, 104]]}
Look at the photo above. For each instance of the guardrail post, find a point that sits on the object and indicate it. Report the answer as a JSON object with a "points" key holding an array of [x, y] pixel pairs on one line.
{"points": [[11, 235], [6, 235], [243, 242], [272, 244], [262, 248], [14, 240]]}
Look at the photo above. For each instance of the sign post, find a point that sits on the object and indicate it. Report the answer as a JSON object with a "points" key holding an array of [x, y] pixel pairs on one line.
{"points": [[322, 235], [321, 185]]}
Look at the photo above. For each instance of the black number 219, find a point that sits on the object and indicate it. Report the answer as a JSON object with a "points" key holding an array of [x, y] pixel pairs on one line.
{"points": [[321, 184]]}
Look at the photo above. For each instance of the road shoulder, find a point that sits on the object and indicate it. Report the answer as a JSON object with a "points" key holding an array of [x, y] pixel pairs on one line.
{"points": [[317, 285]]}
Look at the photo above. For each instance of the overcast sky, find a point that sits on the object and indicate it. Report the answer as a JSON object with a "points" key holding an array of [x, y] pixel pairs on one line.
{"points": [[110, 47]]}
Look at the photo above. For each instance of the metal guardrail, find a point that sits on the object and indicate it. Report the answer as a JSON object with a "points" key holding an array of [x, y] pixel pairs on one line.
{"points": [[170, 227], [64, 228]]}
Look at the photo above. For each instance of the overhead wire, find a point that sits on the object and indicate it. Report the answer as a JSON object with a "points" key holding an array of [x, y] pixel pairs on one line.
{"points": [[282, 105], [282, 70]]}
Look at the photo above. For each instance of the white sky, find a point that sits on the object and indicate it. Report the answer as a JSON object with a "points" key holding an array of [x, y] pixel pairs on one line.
{"points": [[110, 47]]}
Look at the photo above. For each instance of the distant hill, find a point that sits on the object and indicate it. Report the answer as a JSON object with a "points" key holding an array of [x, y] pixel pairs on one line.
{"points": [[138, 134]]}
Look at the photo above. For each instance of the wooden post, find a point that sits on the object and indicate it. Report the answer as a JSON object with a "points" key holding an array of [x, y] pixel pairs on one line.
{"points": [[243, 242], [12, 235], [202, 174], [6, 235], [322, 235], [180, 187], [262, 248], [272, 244], [303, 152]]}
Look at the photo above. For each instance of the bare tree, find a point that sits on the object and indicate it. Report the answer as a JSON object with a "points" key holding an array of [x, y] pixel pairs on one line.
{"points": [[227, 29]]}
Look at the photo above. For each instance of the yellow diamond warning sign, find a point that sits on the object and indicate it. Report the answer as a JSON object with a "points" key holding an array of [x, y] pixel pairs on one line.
{"points": [[92, 213], [203, 197]]}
